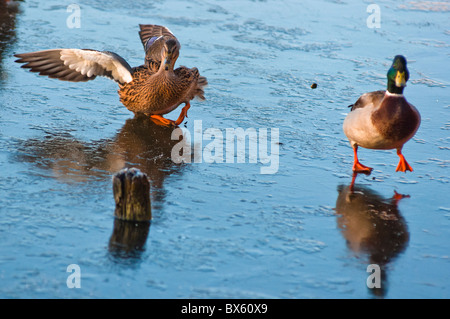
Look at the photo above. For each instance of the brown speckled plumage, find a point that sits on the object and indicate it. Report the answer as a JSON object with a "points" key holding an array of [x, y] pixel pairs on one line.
{"points": [[154, 88], [161, 91]]}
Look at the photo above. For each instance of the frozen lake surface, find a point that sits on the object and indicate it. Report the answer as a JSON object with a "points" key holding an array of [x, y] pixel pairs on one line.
{"points": [[224, 230]]}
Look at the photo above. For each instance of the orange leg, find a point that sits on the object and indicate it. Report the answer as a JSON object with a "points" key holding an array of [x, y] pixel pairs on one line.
{"points": [[158, 119], [352, 184], [357, 166], [403, 165], [183, 114]]}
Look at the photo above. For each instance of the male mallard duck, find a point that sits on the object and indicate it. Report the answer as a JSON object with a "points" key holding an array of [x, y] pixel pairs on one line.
{"points": [[153, 88], [383, 119]]}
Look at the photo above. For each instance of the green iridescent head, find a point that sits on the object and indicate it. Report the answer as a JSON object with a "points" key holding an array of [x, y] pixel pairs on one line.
{"points": [[397, 75]]}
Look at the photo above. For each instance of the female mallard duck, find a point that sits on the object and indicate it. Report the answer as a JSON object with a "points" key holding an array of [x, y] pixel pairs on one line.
{"points": [[383, 119], [154, 88]]}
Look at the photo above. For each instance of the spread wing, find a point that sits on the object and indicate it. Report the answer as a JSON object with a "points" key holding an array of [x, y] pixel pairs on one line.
{"points": [[77, 65], [153, 38], [149, 31]]}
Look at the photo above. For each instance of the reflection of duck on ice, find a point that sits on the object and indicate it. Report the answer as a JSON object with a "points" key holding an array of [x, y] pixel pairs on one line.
{"points": [[140, 143], [372, 226]]}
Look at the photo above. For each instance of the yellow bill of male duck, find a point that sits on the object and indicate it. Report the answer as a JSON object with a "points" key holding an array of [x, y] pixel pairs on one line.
{"points": [[154, 88]]}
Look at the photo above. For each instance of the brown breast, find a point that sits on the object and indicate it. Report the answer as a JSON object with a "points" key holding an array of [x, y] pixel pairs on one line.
{"points": [[395, 118]]}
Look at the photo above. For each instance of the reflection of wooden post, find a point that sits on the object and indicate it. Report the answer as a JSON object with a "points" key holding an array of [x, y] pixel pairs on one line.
{"points": [[132, 195], [128, 238]]}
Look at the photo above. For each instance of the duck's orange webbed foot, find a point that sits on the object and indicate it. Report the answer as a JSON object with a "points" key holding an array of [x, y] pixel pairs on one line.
{"points": [[403, 165], [357, 166], [183, 114], [360, 168], [158, 119]]}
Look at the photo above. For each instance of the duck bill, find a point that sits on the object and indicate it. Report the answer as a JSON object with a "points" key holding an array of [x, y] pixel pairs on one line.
{"points": [[400, 79]]}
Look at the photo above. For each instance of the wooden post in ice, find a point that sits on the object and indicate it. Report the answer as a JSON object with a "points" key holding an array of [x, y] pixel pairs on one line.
{"points": [[132, 195]]}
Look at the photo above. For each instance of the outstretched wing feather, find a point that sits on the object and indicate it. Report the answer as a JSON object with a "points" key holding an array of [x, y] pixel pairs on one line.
{"points": [[77, 65], [148, 31]]}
